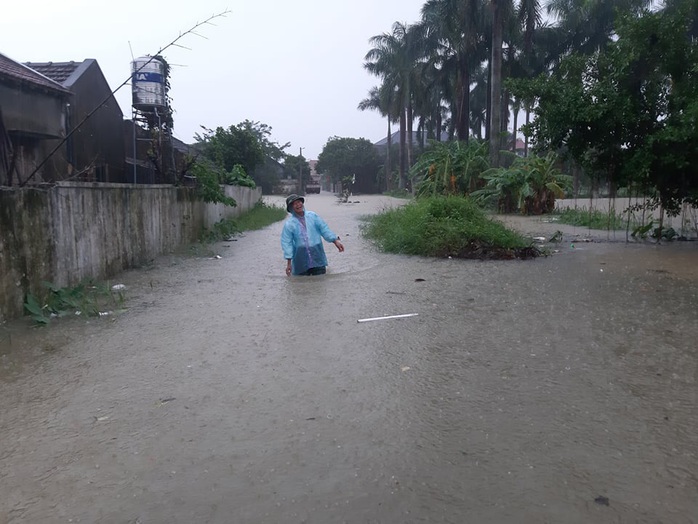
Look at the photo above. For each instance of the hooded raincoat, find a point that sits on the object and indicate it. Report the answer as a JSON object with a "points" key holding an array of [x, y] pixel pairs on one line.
{"points": [[301, 241]]}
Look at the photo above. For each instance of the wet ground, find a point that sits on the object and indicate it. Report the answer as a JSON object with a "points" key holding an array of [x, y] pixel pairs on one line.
{"points": [[561, 389]]}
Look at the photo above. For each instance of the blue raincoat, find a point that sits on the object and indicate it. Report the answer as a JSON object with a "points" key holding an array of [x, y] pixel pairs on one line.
{"points": [[301, 241]]}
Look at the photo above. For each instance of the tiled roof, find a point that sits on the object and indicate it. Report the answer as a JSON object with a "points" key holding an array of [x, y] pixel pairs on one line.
{"points": [[23, 74], [56, 71]]}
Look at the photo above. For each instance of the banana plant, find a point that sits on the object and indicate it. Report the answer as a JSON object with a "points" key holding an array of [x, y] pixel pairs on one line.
{"points": [[450, 168], [529, 186]]}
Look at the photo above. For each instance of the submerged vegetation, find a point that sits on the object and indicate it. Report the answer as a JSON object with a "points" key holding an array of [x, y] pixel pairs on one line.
{"points": [[443, 226], [592, 218], [87, 298], [260, 216]]}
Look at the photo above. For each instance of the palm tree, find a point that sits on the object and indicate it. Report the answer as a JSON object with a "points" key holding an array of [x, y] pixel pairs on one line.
{"points": [[478, 101], [497, 14], [393, 58], [429, 95], [589, 24], [520, 25], [382, 99], [515, 25], [455, 38]]}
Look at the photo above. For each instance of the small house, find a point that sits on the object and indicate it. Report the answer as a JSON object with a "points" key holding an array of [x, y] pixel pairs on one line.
{"points": [[33, 112], [95, 149]]}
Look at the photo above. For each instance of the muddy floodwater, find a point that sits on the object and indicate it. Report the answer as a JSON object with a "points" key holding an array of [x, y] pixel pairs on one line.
{"points": [[557, 390]]}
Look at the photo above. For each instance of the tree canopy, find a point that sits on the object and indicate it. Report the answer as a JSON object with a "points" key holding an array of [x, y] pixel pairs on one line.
{"points": [[611, 84], [246, 144], [236, 145], [628, 113], [347, 159]]}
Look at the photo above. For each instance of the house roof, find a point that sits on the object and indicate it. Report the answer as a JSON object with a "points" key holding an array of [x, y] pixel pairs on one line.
{"points": [[187, 149], [395, 138], [19, 73], [65, 73]]}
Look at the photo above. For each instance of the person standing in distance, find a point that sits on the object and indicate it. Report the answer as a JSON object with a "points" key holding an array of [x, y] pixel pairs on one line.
{"points": [[301, 239]]}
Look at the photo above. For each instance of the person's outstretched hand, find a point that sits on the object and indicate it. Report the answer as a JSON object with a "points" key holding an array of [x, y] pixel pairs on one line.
{"points": [[339, 245]]}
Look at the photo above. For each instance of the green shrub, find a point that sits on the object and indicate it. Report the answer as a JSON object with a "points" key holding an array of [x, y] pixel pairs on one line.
{"points": [[445, 226], [237, 177], [208, 185]]}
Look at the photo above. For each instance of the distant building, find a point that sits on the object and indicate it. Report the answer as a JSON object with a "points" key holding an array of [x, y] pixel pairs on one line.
{"points": [[95, 151], [32, 117]]}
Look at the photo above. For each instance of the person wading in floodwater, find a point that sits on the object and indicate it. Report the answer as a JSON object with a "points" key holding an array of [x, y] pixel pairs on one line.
{"points": [[301, 239]]}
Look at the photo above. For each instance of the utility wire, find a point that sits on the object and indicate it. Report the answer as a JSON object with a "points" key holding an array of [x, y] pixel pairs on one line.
{"points": [[111, 95]]}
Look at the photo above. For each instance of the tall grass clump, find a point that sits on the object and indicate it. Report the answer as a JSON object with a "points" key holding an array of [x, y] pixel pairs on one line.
{"points": [[441, 226]]}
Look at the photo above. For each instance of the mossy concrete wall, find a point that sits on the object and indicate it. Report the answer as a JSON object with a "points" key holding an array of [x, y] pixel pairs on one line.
{"points": [[76, 231]]}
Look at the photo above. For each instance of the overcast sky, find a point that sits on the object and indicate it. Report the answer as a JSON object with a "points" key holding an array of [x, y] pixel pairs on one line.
{"points": [[295, 66]]}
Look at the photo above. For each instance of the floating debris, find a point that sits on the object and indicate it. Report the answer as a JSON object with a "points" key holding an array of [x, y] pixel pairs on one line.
{"points": [[388, 317], [557, 237]]}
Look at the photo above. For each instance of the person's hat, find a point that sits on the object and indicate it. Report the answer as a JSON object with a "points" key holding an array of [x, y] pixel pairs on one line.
{"points": [[290, 199]]}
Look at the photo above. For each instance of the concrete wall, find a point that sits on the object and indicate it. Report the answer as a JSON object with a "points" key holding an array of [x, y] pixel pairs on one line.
{"points": [[685, 224], [76, 231]]}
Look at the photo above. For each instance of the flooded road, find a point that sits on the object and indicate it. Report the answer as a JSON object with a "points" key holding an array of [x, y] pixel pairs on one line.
{"points": [[561, 390]]}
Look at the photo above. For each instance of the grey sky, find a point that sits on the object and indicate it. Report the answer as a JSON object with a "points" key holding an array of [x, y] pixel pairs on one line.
{"points": [[295, 66]]}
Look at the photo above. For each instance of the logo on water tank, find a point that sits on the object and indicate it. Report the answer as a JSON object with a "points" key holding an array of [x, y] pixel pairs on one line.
{"points": [[144, 76]]}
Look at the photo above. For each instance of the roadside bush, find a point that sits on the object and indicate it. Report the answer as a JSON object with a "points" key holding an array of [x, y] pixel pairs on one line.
{"points": [[442, 226]]}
